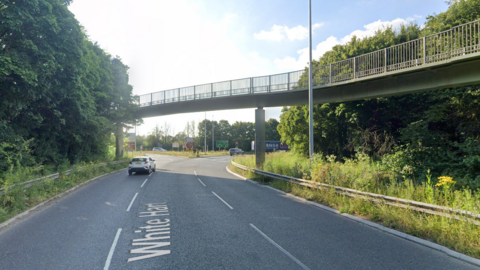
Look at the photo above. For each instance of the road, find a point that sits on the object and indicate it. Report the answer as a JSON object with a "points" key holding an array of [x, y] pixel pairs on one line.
{"points": [[193, 214]]}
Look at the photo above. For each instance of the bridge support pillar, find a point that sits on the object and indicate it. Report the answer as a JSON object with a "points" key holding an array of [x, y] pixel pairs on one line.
{"points": [[259, 137]]}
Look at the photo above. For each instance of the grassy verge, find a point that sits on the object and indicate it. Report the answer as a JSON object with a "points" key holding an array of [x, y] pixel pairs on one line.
{"points": [[17, 199], [366, 175]]}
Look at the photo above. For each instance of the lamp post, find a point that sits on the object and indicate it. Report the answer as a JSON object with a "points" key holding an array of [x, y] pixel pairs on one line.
{"points": [[310, 93]]}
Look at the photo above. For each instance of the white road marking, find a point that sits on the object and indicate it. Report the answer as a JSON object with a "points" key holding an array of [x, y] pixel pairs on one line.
{"points": [[195, 173], [222, 200], [144, 183], [280, 248], [138, 231], [112, 249], [128, 209], [171, 159], [201, 182]]}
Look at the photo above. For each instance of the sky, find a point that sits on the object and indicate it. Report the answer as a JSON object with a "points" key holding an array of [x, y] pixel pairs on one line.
{"points": [[176, 43]]}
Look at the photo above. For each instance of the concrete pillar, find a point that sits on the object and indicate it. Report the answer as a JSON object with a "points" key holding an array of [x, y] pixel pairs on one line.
{"points": [[259, 137], [119, 140]]}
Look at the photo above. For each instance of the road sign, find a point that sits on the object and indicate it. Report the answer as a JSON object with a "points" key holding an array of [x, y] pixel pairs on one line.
{"points": [[190, 145], [189, 139], [222, 144], [175, 145]]}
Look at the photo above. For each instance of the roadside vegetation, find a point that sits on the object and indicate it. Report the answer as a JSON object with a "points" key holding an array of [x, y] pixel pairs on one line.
{"points": [[365, 174], [17, 199]]}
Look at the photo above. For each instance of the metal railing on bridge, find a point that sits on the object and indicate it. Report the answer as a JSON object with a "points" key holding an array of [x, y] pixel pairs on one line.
{"points": [[430, 50]]}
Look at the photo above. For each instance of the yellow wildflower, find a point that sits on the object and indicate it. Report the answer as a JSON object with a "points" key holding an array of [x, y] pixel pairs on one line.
{"points": [[445, 181]]}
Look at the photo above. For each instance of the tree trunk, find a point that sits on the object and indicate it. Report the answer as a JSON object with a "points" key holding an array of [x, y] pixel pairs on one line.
{"points": [[119, 141]]}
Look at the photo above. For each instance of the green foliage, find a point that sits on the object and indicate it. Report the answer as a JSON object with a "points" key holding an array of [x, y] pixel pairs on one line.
{"points": [[460, 12], [60, 93], [437, 130]]}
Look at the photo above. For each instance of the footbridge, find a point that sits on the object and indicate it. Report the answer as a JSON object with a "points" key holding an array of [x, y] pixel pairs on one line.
{"points": [[443, 60]]}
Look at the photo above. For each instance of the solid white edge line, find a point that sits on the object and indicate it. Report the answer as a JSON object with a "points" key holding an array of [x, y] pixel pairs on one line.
{"points": [[222, 200], [112, 249], [144, 182], [280, 248], [201, 182], [128, 209]]}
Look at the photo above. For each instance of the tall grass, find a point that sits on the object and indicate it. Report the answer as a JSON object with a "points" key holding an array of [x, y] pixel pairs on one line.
{"points": [[362, 173], [17, 199]]}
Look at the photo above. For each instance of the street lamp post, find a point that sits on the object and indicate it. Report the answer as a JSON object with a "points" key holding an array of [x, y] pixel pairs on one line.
{"points": [[310, 93]]}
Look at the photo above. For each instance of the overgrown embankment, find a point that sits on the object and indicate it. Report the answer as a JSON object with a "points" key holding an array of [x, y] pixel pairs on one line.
{"points": [[19, 198], [364, 174]]}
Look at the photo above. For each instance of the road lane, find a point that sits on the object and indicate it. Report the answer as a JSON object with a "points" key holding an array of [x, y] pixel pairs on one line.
{"points": [[179, 220], [320, 238]]}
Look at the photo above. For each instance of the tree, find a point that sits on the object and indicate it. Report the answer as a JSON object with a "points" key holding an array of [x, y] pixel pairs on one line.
{"points": [[271, 132]]}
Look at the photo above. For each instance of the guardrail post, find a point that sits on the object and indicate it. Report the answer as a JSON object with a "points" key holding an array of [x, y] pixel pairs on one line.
{"points": [[231, 88], [151, 99], [164, 97], [385, 60], [194, 93], [211, 88], [178, 94], [424, 50]]}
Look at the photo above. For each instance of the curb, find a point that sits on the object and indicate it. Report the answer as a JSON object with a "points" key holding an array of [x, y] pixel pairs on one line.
{"points": [[437, 247], [238, 175], [19, 216]]}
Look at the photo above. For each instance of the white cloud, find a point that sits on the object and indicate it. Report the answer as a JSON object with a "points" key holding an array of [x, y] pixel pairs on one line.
{"points": [[290, 63], [279, 33]]}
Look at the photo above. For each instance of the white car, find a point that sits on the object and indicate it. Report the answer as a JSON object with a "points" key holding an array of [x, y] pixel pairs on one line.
{"points": [[141, 164]]}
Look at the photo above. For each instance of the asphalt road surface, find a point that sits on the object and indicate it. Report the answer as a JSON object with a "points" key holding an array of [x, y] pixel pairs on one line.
{"points": [[193, 214]]}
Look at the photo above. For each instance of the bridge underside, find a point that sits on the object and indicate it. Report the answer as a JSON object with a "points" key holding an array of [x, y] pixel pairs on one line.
{"points": [[454, 74]]}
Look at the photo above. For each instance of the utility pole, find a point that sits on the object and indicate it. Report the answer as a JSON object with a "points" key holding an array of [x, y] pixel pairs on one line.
{"points": [[310, 92], [213, 135]]}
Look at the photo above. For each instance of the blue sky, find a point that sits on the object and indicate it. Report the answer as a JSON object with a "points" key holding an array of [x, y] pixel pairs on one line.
{"points": [[171, 44]]}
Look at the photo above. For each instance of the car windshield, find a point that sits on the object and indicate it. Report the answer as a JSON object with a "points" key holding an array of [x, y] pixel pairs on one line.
{"points": [[139, 159]]}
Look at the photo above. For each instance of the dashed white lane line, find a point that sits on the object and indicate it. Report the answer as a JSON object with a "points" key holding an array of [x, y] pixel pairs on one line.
{"points": [[222, 200], [144, 183], [201, 182], [112, 249], [280, 248], [128, 209]]}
